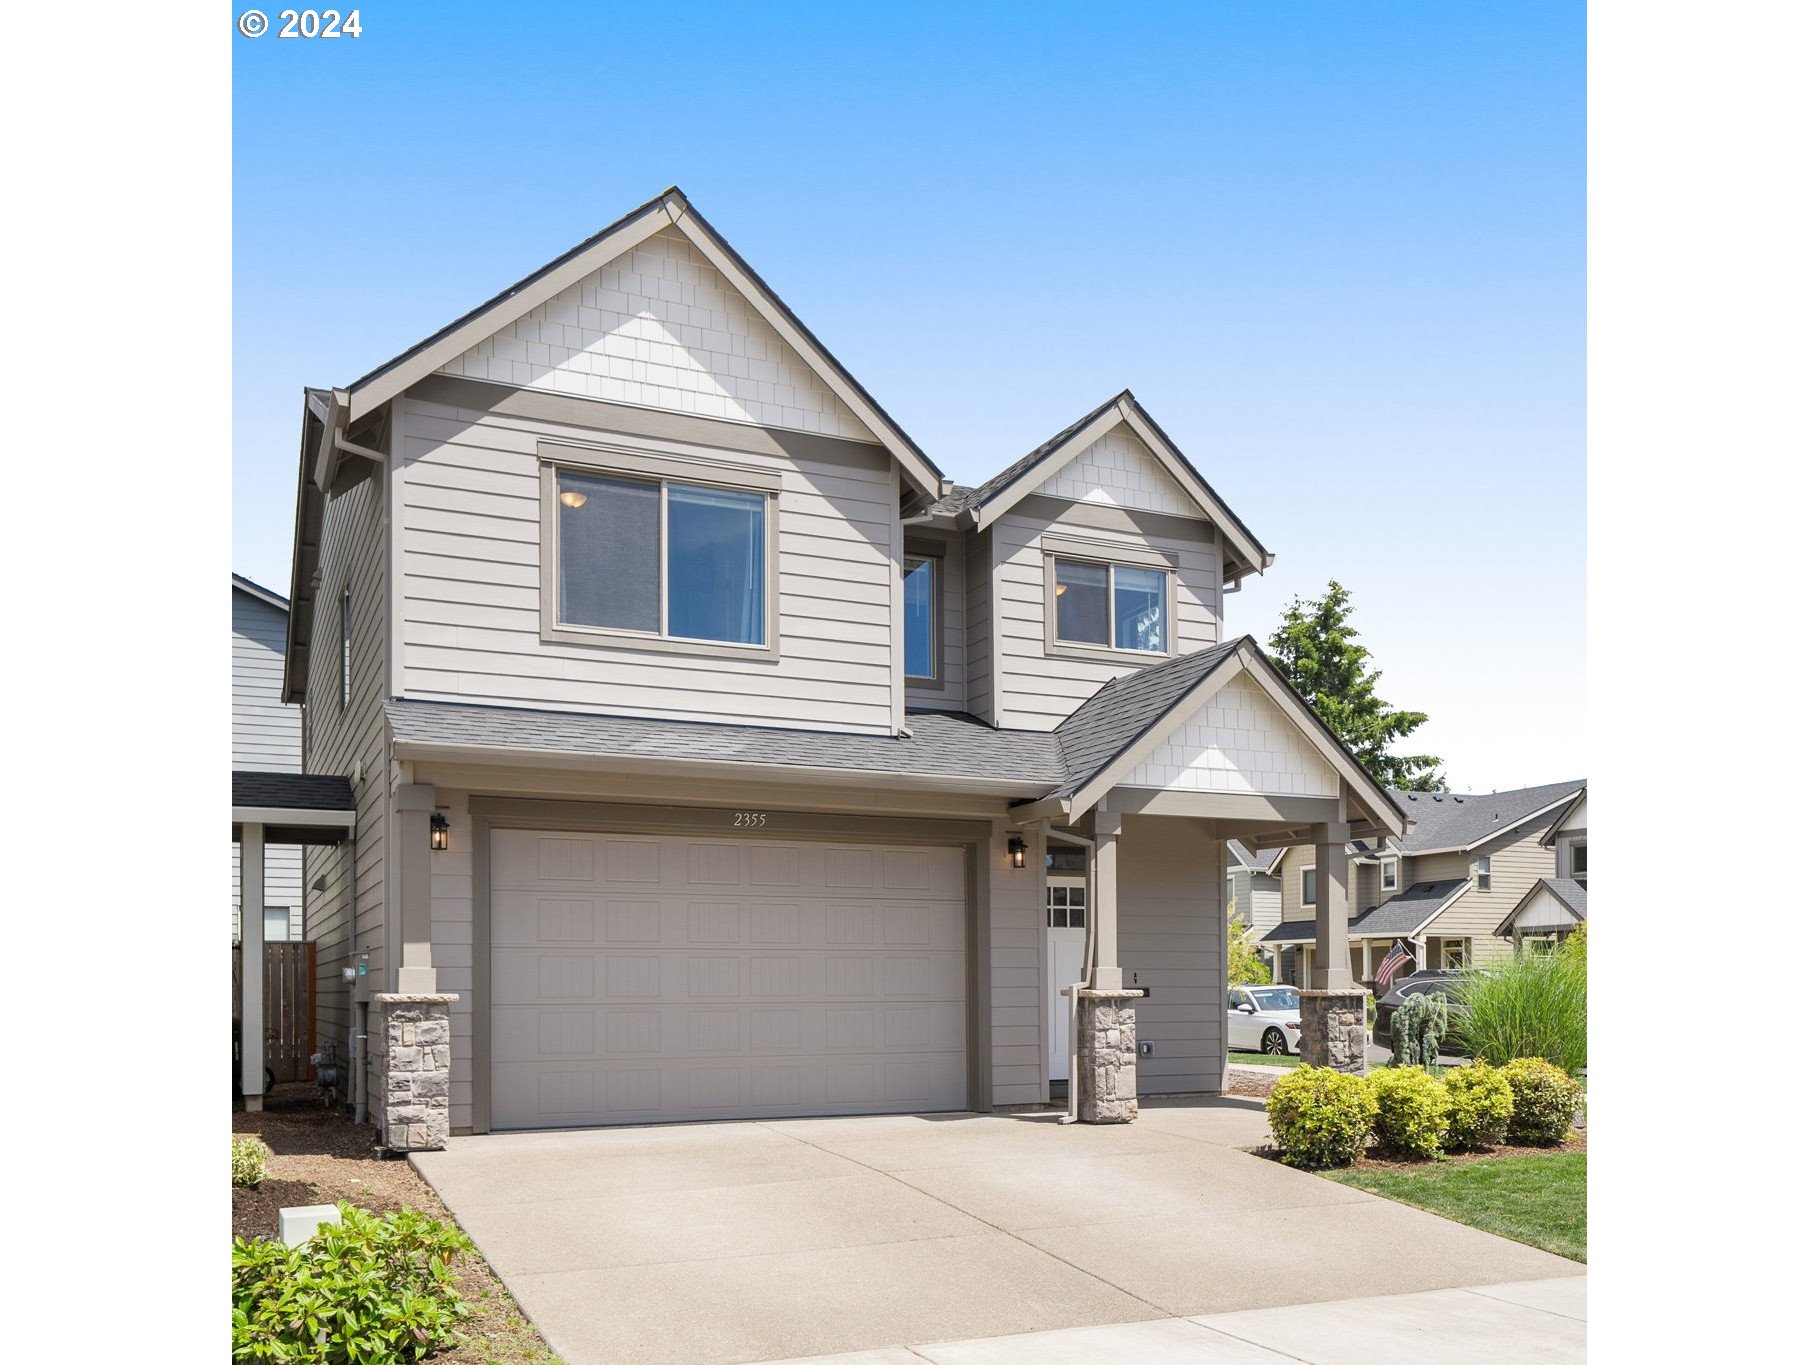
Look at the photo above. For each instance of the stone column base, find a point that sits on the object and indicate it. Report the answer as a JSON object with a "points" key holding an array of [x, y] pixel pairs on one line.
{"points": [[414, 1071], [1333, 1030], [1106, 1047]]}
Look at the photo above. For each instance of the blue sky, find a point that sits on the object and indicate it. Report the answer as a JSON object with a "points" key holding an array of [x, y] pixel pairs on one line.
{"points": [[1337, 250]]}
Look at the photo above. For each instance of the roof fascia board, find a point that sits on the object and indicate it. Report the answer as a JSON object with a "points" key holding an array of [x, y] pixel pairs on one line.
{"points": [[291, 815], [923, 474], [1509, 921], [1495, 834], [540, 289], [1164, 449], [1554, 826], [266, 595], [1034, 477]]}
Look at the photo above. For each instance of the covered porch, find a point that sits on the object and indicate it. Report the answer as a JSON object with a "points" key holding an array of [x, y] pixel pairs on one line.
{"points": [[274, 809]]}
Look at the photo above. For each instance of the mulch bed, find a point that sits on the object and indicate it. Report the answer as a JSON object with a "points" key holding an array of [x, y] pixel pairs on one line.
{"points": [[1373, 1160], [322, 1157]]}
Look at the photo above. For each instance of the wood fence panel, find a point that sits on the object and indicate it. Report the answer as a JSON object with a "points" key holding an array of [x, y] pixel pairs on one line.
{"points": [[290, 1008]]}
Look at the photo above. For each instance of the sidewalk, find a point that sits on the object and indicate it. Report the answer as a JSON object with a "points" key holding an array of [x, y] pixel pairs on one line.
{"points": [[1535, 1322]]}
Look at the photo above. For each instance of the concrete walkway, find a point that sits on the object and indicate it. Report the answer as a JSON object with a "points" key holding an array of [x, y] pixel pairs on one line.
{"points": [[774, 1240]]}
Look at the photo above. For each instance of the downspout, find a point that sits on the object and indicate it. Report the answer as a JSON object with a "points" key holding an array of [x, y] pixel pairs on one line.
{"points": [[1074, 990]]}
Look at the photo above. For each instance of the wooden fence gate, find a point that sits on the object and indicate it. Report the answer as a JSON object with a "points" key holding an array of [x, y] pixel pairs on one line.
{"points": [[290, 1008]]}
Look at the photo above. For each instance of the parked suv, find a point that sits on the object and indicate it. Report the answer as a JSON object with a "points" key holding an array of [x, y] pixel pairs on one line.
{"points": [[1429, 981]]}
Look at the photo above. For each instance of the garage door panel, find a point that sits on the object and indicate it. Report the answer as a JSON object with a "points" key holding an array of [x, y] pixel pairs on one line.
{"points": [[762, 978]]}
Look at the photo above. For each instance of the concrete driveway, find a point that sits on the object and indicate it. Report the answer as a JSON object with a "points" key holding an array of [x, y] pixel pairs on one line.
{"points": [[769, 1240]]}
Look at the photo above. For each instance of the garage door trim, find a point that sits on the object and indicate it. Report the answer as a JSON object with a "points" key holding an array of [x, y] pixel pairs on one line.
{"points": [[489, 813]]}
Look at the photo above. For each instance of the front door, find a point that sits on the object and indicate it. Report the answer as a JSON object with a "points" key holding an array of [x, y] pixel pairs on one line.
{"points": [[1065, 944]]}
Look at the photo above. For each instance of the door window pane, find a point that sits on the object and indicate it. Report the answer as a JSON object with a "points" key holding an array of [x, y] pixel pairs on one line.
{"points": [[607, 548], [919, 618], [1140, 609], [1081, 602], [717, 564]]}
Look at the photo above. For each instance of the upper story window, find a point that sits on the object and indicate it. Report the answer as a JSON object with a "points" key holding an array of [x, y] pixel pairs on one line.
{"points": [[922, 619], [347, 647], [1482, 873], [1112, 606], [1308, 874], [1387, 870], [661, 554], [1576, 861]]}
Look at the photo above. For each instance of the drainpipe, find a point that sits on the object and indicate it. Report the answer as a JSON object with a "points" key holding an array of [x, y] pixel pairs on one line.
{"points": [[357, 1068], [1074, 990]]}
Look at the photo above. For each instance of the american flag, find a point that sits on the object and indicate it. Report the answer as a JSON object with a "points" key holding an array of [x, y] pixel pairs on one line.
{"points": [[1393, 961]]}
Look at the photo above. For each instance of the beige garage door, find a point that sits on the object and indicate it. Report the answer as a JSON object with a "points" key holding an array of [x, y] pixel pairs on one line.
{"points": [[644, 978]]}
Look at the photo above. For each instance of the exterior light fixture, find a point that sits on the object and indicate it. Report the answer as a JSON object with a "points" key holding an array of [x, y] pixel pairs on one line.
{"points": [[439, 832], [1060, 588], [573, 499], [1015, 846]]}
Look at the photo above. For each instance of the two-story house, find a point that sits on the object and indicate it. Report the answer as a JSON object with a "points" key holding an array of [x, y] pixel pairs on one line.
{"points": [[1254, 887], [1552, 908], [713, 755], [267, 738], [1446, 887]]}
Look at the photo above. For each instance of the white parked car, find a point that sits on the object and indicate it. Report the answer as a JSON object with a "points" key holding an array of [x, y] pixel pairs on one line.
{"points": [[1264, 1019]]}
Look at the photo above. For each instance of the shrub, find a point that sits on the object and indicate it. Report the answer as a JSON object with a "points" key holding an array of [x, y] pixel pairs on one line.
{"points": [[249, 1161], [1416, 1029], [1412, 1110], [1543, 1099], [1320, 1117], [1530, 1005], [1243, 965], [1480, 1104], [369, 1290]]}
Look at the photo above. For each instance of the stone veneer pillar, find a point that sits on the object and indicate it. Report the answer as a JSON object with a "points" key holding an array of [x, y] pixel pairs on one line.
{"points": [[414, 1075], [1333, 1030], [1106, 1043]]}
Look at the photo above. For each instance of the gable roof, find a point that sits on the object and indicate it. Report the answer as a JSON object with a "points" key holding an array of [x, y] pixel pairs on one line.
{"points": [[265, 595], [1107, 735], [1569, 892], [1264, 861], [1409, 913], [671, 208], [1453, 822], [1559, 822], [983, 505]]}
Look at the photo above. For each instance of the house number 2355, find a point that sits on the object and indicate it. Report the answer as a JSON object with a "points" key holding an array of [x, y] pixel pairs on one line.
{"points": [[748, 819]]}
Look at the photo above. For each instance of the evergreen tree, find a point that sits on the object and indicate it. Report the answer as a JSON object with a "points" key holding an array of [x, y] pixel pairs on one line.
{"points": [[1318, 654]]}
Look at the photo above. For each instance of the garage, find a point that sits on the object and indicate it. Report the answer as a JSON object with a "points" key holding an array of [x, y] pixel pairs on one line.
{"points": [[641, 978]]}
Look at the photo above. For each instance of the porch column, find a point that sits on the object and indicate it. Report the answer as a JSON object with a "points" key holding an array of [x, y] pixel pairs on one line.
{"points": [[252, 966], [1333, 1006], [412, 806], [1103, 879], [1106, 1030]]}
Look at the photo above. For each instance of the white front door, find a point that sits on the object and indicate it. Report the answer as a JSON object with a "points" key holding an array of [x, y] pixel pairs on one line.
{"points": [[1065, 948]]}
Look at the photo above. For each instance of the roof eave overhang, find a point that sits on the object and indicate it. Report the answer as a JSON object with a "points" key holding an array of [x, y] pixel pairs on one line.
{"points": [[294, 816], [1495, 834], [1509, 922], [1554, 826], [306, 543]]}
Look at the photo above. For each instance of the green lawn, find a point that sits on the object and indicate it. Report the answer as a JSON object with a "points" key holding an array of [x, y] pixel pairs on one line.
{"points": [[1538, 1199], [1265, 1059]]}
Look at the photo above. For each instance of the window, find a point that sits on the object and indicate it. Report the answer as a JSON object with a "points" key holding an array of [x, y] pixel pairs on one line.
{"points": [[1387, 871], [1308, 886], [1576, 861], [1482, 871], [347, 647], [661, 558], [1111, 606], [1067, 907], [1065, 858], [1232, 887], [277, 924], [922, 598], [1456, 953]]}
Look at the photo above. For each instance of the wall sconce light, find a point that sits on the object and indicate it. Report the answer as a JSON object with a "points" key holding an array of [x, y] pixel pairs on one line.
{"points": [[439, 832], [1015, 846]]}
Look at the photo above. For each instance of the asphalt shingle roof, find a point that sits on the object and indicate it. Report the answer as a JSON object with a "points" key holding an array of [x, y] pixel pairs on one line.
{"points": [[1251, 862], [1011, 473], [940, 744], [1571, 891], [293, 791], [1402, 914], [1443, 820]]}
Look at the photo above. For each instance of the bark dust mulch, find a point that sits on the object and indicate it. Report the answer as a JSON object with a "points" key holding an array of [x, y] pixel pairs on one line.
{"points": [[322, 1157]]}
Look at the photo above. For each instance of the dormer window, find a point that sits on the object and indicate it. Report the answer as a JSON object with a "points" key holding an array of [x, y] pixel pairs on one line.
{"points": [[922, 619], [1106, 608], [655, 553]]}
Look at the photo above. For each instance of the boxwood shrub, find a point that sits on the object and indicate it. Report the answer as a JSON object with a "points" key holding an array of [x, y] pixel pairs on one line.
{"points": [[370, 1290], [1320, 1117], [1412, 1110], [1480, 1104], [1544, 1099]]}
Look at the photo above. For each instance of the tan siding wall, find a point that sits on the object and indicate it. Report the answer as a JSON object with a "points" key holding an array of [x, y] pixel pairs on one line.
{"points": [[952, 624], [468, 597], [1517, 861], [1171, 940], [348, 916], [1303, 856], [1036, 692]]}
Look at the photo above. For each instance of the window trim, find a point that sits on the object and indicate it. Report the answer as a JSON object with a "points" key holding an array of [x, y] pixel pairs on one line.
{"points": [[1481, 873], [1465, 946], [1577, 847], [936, 682], [1311, 893], [662, 469], [1394, 866], [1112, 556]]}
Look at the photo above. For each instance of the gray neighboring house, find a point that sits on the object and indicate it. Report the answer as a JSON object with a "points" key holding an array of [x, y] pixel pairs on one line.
{"points": [[267, 737], [1450, 887], [710, 755], [1253, 887]]}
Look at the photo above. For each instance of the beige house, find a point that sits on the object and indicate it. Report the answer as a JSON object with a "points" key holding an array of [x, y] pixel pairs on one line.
{"points": [[1453, 888], [711, 755]]}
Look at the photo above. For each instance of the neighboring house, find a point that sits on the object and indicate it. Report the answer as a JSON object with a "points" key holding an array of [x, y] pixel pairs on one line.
{"points": [[1446, 888], [268, 737], [1253, 887], [723, 759], [1551, 909]]}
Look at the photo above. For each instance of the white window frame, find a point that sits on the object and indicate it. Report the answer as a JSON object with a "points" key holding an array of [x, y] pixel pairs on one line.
{"points": [[347, 645], [663, 470], [1112, 557], [1390, 874], [1464, 945], [1481, 873], [927, 681], [1311, 889]]}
